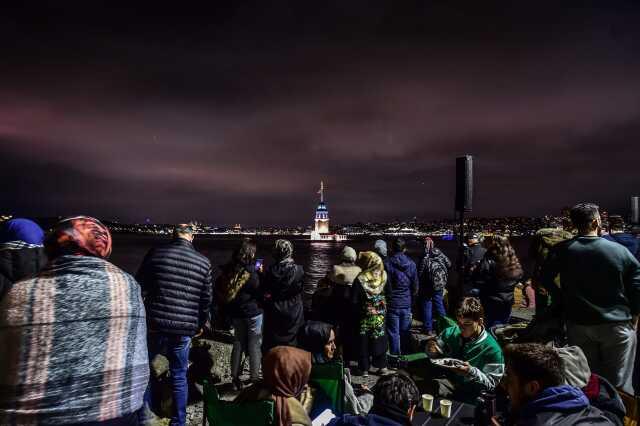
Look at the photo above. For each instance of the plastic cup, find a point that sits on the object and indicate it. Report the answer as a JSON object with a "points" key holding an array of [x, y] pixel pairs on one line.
{"points": [[445, 408], [427, 402]]}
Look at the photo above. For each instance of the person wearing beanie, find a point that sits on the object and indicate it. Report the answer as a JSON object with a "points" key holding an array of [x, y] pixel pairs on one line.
{"points": [[21, 251], [340, 279], [380, 247]]}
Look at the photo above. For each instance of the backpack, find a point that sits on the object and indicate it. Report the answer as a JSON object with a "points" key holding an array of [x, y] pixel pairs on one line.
{"points": [[434, 272], [543, 241]]}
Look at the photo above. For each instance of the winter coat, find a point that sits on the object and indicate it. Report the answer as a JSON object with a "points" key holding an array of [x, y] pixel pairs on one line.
{"points": [[176, 285], [402, 281], [341, 280], [433, 272], [493, 289], [245, 304], [283, 310], [627, 240], [561, 405], [19, 260]]}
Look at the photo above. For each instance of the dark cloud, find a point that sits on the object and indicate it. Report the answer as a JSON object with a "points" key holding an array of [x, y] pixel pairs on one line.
{"points": [[236, 114]]}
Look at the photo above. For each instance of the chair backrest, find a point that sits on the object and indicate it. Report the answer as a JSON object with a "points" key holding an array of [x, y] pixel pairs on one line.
{"points": [[631, 404], [226, 413], [329, 378]]}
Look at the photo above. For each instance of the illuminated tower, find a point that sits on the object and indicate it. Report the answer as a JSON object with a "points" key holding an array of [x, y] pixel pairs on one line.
{"points": [[322, 214]]}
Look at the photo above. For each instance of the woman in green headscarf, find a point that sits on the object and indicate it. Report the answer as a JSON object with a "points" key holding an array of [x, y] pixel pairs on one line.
{"points": [[370, 305]]}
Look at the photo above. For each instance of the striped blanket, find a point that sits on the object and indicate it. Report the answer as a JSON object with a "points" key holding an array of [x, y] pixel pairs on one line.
{"points": [[73, 345]]}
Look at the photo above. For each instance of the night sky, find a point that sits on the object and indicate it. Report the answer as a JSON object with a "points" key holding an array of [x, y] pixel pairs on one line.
{"points": [[234, 113]]}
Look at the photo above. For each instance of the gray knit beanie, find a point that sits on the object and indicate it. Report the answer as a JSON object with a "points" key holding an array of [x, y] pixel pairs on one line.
{"points": [[348, 254], [380, 247]]}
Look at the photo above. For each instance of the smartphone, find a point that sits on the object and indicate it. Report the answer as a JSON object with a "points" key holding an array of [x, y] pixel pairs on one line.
{"points": [[259, 263]]}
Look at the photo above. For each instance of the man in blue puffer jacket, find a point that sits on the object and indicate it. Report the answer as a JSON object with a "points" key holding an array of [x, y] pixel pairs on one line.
{"points": [[402, 286], [535, 383]]}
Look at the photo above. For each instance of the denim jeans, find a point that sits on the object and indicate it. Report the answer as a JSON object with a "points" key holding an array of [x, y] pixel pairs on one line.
{"points": [[435, 302], [247, 334], [176, 349], [398, 329]]}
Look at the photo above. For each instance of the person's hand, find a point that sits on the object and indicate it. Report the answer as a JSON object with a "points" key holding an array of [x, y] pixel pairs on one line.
{"points": [[199, 333], [433, 348], [494, 421], [462, 369], [261, 269], [634, 322]]}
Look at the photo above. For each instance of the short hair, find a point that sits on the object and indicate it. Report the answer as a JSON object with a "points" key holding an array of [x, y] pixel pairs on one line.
{"points": [[583, 214], [183, 229], [616, 222], [398, 245], [397, 390], [534, 361], [471, 308]]}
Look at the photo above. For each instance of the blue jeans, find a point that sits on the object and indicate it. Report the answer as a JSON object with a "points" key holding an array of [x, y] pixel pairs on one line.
{"points": [[398, 329], [247, 334], [437, 303], [176, 349]]}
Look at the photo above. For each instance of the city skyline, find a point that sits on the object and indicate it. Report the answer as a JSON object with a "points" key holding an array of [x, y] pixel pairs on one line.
{"points": [[234, 113]]}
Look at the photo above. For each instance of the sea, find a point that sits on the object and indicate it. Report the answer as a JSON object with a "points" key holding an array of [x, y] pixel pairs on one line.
{"points": [[315, 257]]}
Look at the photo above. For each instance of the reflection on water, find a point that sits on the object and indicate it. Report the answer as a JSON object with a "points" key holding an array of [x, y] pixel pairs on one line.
{"points": [[318, 263]]}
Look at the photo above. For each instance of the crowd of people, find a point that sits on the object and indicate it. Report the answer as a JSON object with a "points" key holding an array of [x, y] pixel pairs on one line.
{"points": [[79, 334]]}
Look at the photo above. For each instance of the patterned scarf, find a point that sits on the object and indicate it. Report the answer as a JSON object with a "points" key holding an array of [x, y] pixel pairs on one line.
{"points": [[80, 236], [373, 276]]}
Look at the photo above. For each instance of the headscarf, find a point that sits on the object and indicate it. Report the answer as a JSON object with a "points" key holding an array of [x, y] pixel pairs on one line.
{"points": [[82, 236], [286, 371], [373, 276], [348, 254], [22, 230], [313, 337], [283, 250], [380, 247]]}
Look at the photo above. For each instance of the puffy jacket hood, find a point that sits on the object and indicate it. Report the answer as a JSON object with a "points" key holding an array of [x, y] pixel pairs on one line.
{"points": [[562, 399], [401, 262]]}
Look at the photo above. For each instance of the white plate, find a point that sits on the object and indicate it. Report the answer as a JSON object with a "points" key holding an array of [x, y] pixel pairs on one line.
{"points": [[447, 362]]}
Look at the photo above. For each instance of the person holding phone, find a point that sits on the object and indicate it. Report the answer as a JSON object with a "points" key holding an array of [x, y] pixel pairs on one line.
{"points": [[238, 291]]}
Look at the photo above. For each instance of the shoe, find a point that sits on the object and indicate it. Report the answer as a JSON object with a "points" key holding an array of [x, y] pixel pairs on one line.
{"points": [[237, 384]]}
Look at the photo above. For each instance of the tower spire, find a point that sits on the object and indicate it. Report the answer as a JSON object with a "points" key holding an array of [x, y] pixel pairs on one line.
{"points": [[321, 192]]}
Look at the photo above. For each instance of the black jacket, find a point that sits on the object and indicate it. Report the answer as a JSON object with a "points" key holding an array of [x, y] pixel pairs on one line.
{"points": [[493, 288], [176, 286], [17, 263], [283, 309], [245, 304]]}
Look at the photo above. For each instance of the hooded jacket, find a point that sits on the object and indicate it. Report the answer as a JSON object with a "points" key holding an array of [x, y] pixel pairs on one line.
{"points": [[627, 240], [402, 281], [283, 309], [561, 405]]}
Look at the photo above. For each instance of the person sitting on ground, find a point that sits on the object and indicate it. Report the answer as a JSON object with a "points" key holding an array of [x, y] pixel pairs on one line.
{"points": [[341, 279], [286, 372], [237, 289], [482, 364], [282, 298], [319, 339], [496, 277], [617, 235], [369, 304], [74, 337], [394, 402], [433, 273], [21, 251], [534, 380], [402, 288]]}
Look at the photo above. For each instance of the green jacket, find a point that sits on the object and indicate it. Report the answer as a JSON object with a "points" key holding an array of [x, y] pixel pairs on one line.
{"points": [[483, 353], [600, 280]]}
